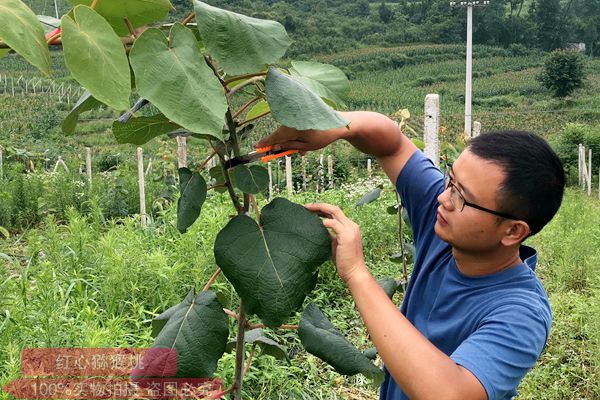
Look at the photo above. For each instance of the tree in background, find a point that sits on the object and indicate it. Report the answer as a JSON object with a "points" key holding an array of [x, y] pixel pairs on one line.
{"points": [[385, 14], [546, 15], [564, 71], [587, 24]]}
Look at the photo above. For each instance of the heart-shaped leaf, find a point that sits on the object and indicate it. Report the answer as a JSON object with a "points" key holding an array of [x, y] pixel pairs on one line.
{"points": [[294, 105], [138, 12], [370, 197], [143, 129], [219, 178], [258, 109], [274, 264], [21, 30], [323, 340], [251, 179], [96, 57], [173, 75], [389, 285], [328, 81], [198, 329], [239, 43], [85, 103], [267, 346], [193, 194]]}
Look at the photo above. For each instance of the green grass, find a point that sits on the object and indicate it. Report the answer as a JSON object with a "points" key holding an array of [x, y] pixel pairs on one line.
{"points": [[63, 285]]}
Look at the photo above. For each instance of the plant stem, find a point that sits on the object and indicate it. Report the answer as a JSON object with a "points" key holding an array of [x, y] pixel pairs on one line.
{"points": [[240, 353], [255, 118], [189, 18], [245, 106], [94, 4], [243, 85], [216, 72], [212, 280], [255, 206], [404, 270], [240, 77], [210, 157], [250, 359], [256, 326], [130, 27]]}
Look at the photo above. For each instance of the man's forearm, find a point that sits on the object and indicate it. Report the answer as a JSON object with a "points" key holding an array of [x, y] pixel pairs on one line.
{"points": [[372, 133], [419, 368]]}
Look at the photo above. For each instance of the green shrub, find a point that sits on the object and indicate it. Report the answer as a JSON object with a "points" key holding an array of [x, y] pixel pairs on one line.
{"points": [[563, 72], [566, 146]]}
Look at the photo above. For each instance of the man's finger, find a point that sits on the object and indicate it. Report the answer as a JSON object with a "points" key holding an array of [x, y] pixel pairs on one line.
{"points": [[333, 224], [328, 209]]}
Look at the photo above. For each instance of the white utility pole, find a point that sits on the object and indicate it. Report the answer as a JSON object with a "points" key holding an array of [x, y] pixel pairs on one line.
{"points": [[469, 75]]}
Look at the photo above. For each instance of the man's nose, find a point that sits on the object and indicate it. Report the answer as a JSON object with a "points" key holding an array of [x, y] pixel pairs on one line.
{"points": [[444, 198]]}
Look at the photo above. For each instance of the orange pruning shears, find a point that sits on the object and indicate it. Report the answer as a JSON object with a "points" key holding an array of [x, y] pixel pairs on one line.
{"points": [[265, 154]]}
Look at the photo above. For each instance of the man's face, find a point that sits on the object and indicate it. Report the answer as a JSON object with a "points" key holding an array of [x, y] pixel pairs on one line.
{"points": [[471, 229]]}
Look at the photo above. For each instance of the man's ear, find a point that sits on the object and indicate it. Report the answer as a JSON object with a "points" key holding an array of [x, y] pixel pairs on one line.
{"points": [[515, 233]]}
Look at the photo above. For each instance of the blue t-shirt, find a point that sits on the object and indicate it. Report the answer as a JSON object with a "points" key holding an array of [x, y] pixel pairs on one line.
{"points": [[496, 326]]}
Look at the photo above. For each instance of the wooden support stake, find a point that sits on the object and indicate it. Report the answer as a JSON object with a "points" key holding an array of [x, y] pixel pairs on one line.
{"points": [[288, 176], [590, 174], [432, 128], [149, 167], [330, 171], [140, 164], [1, 162], [579, 164], [369, 168], [182, 152], [476, 129], [270, 169], [304, 174], [321, 182], [88, 164]]}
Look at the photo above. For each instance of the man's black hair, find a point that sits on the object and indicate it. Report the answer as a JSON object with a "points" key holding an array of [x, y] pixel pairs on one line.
{"points": [[534, 184]]}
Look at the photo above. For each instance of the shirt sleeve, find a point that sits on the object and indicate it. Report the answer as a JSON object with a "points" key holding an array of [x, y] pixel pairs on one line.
{"points": [[505, 346], [419, 184]]}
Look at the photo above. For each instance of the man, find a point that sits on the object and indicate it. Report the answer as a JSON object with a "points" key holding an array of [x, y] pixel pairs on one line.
{"points": [[475, 317]]}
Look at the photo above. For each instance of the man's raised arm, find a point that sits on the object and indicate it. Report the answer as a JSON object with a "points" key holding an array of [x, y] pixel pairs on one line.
{"points": [[369, 132]]}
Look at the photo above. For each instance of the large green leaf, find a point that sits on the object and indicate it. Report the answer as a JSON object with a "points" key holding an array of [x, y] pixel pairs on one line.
{"points": [[193, 194], [371, 196], [138, 12], [389, 286], [274, 264], [294, 105], [96, 57], [328, 81], [258, 109], [143, 129], [251, 179], [173, 75], [4, 52], [49, 24], [320, 338], [218, 175], [21, 30], [198, 329], [267, 346], [239, 43], [85, 103]]}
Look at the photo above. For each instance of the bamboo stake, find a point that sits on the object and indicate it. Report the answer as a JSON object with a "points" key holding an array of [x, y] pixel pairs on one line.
{"points": [[288, 175], [140, 163], [88, 165]]}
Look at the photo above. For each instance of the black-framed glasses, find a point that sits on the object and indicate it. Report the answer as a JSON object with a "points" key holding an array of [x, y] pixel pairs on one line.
{"points": [[458, 200]]}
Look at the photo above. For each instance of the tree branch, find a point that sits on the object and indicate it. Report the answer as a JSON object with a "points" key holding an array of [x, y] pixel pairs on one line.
{"points": [[189, 18], [243, 85], [245, 106], [240, 353], [254, 119], [212, 280], [240, 77]]}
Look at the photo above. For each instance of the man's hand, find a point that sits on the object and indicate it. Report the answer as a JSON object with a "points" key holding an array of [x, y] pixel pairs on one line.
{"points": [[347, 246], [286, 138]]}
